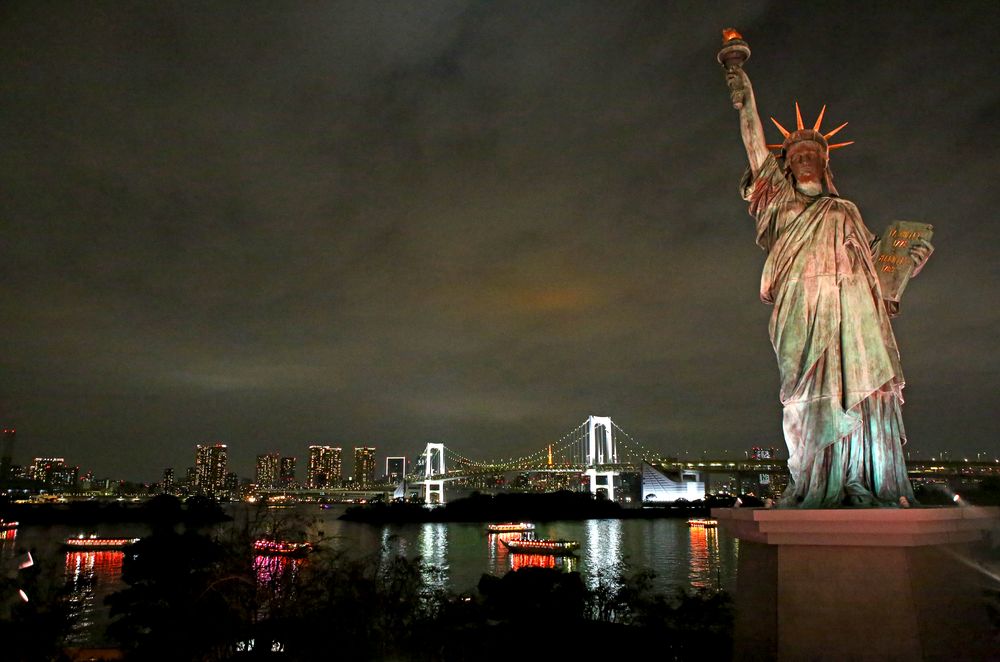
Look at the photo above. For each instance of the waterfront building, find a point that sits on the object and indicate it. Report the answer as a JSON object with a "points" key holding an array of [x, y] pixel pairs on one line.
{"points": [[54, 473], [286, 475], [268, 471], [231, 484], [364, 466], [191, 479], [657, 486], [168, 481], [210, 463], [768, 484], [761, 453], [325, 467], [395, 468]]}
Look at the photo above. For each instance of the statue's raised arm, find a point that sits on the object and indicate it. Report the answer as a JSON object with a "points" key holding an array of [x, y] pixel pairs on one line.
{"points": [[734, 53]]}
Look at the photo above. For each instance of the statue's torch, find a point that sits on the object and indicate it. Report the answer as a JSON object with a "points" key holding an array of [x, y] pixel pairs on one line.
{"points": [[734, 53]]}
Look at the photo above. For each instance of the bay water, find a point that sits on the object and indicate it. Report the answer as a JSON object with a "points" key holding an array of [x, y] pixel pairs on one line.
{"points": [[458, 554]]}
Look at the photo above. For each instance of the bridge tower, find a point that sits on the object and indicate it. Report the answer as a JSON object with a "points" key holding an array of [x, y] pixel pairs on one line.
{"points": [[601, 450], [433, 466]]}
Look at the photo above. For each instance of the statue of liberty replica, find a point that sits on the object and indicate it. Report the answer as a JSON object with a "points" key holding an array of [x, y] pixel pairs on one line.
{"points": [[841, 381]]}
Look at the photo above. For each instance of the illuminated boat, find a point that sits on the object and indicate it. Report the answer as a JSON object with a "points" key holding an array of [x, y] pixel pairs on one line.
{"points": [[510, 527], [267, 547], [702, 523], [553, 547], [8, 530], [83, 543]]}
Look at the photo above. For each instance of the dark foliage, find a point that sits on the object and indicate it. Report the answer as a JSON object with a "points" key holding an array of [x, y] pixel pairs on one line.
{"points": [[33, 630], [188, 597]]}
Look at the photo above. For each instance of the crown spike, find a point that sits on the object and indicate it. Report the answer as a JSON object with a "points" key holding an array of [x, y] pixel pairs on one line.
{"points": [[839, 145], [798, 117], [819, 120], [832, 133], [785, 132]]}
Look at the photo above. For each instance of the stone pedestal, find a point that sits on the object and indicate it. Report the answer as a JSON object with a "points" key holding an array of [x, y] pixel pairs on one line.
{"points": [[873, 584]]}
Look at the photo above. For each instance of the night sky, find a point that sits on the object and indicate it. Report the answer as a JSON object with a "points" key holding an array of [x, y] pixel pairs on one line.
{"points": [[277, 224]]}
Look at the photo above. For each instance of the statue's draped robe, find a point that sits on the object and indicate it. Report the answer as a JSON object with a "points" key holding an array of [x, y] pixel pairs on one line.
{"points": [[841, 381]]}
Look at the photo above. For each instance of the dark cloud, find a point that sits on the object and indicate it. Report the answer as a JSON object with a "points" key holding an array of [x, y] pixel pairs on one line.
{"points": [[391, 223]]}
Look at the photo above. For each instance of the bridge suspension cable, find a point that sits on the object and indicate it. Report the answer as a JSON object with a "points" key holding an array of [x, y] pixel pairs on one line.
{"points": [[570, 440], [635, 449], [568, 450]]}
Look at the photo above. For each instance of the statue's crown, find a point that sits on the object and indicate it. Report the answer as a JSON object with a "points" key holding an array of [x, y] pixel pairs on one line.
{"points": [[802, 134]]}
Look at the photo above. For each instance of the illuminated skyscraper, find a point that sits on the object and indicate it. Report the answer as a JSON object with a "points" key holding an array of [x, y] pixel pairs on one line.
{"points": [[210, 463], [286, 477], [758, 453], [191, 479], [167, 487], [54, 473], [395, 468], [364, 466], [268, 468], [325, 466], [231, 484]]}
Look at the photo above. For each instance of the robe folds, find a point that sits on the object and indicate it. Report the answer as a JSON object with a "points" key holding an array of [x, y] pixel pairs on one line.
{"points": [[841, 380]]}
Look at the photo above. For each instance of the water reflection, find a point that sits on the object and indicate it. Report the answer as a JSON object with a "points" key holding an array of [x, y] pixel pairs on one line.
{"points": [[391, 544], [705, 564], [564, 563], [276, 571], [90, 577], [679, 556], [496, 550], [603, 547], [433, 545]]}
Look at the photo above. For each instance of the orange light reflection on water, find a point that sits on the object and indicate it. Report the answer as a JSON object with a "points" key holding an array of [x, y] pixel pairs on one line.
{"points": [[497, 550], [704, 557], [90, 577], [565, 563], [99, 566]]}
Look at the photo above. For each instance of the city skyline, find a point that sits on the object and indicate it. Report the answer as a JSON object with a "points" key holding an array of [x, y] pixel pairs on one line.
{"points": [[456, 222]]}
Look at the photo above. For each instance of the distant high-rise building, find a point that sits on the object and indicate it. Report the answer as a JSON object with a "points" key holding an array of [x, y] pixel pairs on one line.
{"points": [[286, 475], [758, 453], [395, 468], [41, 466], [231, 484], [325, 466], [210, 462], [7, 453], [54, 473], [167, 486], [768, 483], [268, 471], [364, 466]]}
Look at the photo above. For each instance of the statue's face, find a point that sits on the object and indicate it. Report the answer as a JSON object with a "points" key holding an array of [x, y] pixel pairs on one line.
{"points": [[807, 162]]}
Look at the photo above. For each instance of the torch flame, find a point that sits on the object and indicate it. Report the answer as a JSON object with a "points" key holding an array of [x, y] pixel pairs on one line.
{"points": [[728, 34]]}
